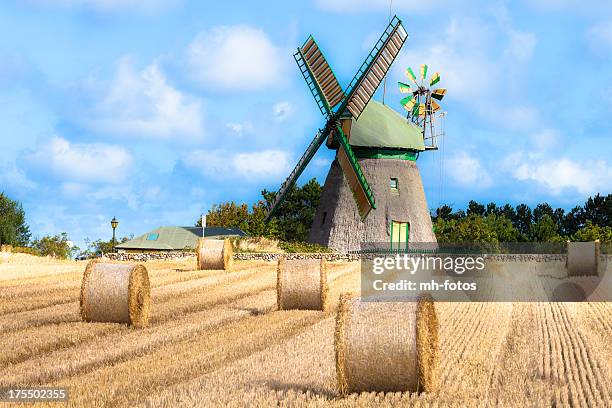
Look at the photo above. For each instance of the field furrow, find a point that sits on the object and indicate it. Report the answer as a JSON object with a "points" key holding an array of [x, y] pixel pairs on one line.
{"points": [[187, 359]]}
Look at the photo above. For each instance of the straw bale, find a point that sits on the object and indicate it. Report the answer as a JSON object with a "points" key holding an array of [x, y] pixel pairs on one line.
{"points": [[214, 254], [386, 346], [115, 292], [301, 284]]}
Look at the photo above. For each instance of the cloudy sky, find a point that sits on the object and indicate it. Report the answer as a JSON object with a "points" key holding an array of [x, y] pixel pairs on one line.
{"points": [[153, 110]]}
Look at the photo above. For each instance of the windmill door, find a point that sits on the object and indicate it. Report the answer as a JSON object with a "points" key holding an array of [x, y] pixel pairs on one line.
{"points": [[400, 231]]}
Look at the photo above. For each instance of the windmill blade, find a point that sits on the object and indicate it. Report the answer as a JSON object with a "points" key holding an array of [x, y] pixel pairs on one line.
{"points": [[438, 93], [404, 88], [434, 79], [354, 176], [319, 76], [374, 68], [411, 76], [423, 72], [297, 171], [435, 106], [408, 103]]}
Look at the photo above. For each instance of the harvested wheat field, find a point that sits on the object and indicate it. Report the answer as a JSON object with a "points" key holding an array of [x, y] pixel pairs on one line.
{"points": [[216, 338]]}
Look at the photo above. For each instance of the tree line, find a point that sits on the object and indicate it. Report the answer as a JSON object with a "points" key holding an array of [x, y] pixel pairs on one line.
{"points": [[477, 223], [521, 223], [15, 232]]}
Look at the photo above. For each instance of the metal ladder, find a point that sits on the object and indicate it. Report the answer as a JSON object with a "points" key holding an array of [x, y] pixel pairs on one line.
{"points": [[297, 171], [382, 41]]}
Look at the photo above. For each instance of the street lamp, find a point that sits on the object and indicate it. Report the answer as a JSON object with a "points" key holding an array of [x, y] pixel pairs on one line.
{"points": [[114, 224]]}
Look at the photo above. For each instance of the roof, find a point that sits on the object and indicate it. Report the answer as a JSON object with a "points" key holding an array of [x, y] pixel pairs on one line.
{"points": [[381, 126], [176, 238]]}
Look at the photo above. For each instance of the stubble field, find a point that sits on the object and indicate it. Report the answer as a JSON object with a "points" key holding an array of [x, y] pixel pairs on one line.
{"points": [[216, 339]]}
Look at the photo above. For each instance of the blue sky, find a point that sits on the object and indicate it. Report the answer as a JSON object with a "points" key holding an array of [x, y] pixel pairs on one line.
{"points": [[151, 111]]}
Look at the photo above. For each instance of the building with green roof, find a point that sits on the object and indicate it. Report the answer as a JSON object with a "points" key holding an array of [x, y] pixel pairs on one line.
{"points": [[176, 238]]}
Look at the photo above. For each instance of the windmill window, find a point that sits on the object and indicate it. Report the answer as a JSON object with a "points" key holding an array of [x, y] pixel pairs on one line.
{"points": [[324, 218], [393, 184], [152, 237]]}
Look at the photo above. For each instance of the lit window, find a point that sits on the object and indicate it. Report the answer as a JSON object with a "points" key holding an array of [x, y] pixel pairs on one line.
{"points": [[393, 184], [152, 237]]}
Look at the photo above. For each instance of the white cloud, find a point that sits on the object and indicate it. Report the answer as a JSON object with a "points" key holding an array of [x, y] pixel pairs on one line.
{"points": [[282, 110], [240, 128], [520, 117], [460, 57], [321, 162], [399, 6], [78, 162], [586, 6], [236, 58], [11, 176], [479, 60], [558, 175], [263, 165], [599, 37], [143, 6], [143, 104], [546, 139], [467, 169]]}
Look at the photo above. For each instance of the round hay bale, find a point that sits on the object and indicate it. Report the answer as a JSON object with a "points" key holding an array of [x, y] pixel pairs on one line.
{"points": [[386, 346], [115, 292], [301, 284], [214, 254]]}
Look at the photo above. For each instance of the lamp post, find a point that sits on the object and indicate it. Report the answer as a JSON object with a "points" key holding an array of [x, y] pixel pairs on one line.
{"points": [[114, 224]]}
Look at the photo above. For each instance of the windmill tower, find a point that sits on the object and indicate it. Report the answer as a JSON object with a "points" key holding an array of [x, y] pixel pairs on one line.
{"points": [[373, 191]]}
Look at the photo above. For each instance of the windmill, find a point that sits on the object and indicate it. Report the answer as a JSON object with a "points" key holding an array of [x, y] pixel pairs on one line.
{"points": [[364, 133], [421, 102]]}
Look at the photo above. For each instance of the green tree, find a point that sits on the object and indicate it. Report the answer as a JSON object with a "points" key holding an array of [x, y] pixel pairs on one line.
{"points": [[475, 208], [13, 228], [295, 215], [502, 228], [58, 246], [592, 232], [99, 247], [257, 225], [445, 212], [228, 215], [522, 220], [471, 229], [544, 230]]}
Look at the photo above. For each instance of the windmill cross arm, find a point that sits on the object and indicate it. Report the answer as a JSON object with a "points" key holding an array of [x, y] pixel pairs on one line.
{"points": [[297, 171]]}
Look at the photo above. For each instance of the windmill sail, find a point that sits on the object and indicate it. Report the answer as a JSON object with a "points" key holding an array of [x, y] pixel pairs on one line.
{"points": [[317, 71], [354, 176], [297, 171], [328, 94], [374, 68]]}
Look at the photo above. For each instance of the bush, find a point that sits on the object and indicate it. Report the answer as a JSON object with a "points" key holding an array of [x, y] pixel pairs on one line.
{"points": [[57, 246], [299, 247], [26, 250]]}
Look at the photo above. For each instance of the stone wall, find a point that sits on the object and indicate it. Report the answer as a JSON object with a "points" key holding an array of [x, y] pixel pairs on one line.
{"points": [[149, 256], [253, 256]]}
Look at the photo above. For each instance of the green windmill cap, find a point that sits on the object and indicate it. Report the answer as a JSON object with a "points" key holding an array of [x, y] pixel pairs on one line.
{"points": [[380, 126]]}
